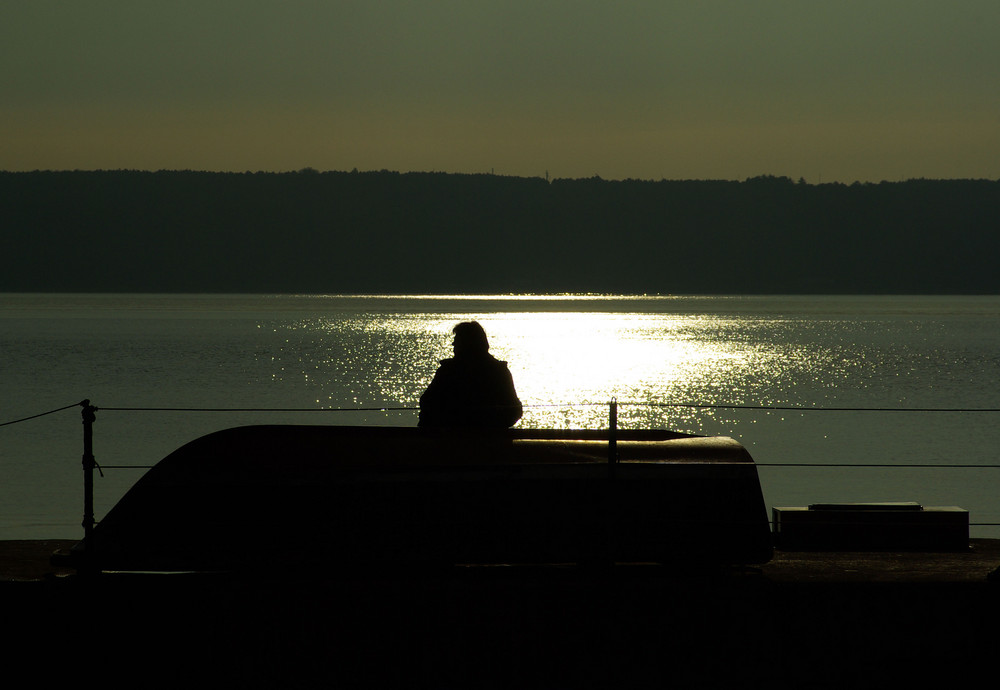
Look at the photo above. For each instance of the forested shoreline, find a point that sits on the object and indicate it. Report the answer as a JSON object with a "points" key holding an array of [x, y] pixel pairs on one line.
{"points": [[387, 232]]}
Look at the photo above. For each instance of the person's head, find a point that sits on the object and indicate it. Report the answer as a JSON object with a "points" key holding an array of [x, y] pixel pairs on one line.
{"points": [[470, 339]]}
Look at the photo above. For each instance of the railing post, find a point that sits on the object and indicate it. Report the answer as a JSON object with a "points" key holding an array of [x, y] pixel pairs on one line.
{"points": [[612, 437], [89, 417], [611, 494]]}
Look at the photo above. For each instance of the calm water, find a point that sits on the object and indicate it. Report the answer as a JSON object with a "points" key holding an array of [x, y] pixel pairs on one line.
{"points": [[570, 355]]}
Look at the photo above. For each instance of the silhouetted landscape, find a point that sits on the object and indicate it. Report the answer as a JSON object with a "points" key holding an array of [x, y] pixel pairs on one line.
{"points": [[387, 232]]}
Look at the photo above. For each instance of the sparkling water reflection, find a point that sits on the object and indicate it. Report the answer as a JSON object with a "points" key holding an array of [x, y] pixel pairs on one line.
{"points": [[567, 365]]}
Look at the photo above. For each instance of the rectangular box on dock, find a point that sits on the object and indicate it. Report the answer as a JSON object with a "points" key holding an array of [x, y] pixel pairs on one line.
{"points": [[902, 526]]}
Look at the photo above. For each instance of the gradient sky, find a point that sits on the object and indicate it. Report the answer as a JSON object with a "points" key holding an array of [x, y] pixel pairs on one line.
{"points": [[851, 90]]}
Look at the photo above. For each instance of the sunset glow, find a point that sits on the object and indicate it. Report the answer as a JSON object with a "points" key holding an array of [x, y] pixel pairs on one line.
{"points": [[677, 90]]}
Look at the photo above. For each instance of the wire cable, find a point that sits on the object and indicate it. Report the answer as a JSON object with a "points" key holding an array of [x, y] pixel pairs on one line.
{"points": [[793, 408], [41, 414], [258, 409]]}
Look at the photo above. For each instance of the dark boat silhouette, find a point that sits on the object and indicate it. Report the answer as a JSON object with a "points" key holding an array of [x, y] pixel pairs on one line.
{"points": [[264, 498]]}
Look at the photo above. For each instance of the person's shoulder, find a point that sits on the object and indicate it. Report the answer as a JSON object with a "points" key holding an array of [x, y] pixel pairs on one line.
{"points": [[498, 363]]}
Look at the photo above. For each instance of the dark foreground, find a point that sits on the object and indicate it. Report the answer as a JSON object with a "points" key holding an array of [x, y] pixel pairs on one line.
{"points": [[804, 620]]}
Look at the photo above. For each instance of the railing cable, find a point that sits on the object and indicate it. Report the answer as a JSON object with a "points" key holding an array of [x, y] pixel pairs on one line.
{"points": [[42, 414], [708, 406], [794, 408], [259, 409], [874, 464]]}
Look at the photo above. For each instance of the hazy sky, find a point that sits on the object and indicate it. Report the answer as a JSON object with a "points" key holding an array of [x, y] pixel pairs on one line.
{"points": [[847, 90]]}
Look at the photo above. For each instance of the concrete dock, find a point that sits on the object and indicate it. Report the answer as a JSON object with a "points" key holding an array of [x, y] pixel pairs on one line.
{"points": [[806, 619], [30, 560]]}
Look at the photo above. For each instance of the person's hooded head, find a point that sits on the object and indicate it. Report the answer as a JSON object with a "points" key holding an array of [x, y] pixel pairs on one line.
{"points": [[470, 339]]}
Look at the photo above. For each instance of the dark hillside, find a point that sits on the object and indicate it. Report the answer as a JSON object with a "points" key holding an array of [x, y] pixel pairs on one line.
{"points": [[428, 232]]}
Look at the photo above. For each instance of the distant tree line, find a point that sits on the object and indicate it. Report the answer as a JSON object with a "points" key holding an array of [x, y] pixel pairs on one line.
{"points": [[386, 232]]}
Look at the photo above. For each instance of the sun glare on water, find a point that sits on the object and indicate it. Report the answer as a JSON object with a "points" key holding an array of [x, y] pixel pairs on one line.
{"points": [[567, 366]]}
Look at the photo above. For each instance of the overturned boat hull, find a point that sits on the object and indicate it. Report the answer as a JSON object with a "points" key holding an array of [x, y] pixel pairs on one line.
{"points": [[268, 497]]}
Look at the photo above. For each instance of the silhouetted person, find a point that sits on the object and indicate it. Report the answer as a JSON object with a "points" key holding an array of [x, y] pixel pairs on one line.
{"points": [[472, 389]]}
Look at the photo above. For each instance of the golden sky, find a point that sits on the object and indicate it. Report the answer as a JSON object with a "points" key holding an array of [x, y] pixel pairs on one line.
{"points": [[851, 90]]}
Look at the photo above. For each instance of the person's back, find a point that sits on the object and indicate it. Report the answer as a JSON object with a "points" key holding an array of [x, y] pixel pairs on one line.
{"points": [[472, 389]]}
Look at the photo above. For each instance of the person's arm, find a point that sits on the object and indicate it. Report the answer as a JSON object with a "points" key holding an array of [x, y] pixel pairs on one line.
{"points": [[512, 408], [430, 402], [435, 398]]}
